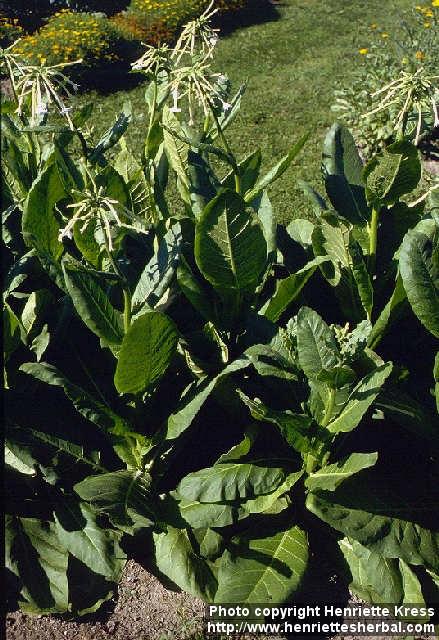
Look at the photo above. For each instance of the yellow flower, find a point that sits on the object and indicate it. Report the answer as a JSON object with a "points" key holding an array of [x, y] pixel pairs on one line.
{"points": [[363, 51], [374, 25], [384, 35], [419, 55], [427, 25], [435, 3]]}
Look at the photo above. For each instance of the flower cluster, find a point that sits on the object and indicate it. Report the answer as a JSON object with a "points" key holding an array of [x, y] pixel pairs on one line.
{"points": [[68, 36], [397, 79], [157, 21], [10, 30], [187, 66]]}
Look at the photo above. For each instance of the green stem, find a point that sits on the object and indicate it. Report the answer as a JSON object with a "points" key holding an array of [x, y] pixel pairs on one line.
{"points": [[125, 288], [227, 148], [152, 116], [126, 309], [329, 408], [373, 233], [83, 143], [237, 183]]}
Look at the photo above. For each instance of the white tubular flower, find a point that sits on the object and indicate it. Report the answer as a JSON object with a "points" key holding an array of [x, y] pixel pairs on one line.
{"points": [[45, 86], [410, 91], [93, 206], [187, 67], [197, 32], [154, 60], [175, 108]]}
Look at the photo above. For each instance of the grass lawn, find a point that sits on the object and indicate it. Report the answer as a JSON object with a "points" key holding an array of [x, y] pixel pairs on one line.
{"points": [[292, 66]]}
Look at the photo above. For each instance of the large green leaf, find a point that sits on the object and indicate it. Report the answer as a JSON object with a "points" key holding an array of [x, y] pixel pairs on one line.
{"points": [[248, 171], [392, 174], [360, 400], [194, 291], [129, 445], [25, 444], [181, 420], [265, 502], [123, 495], [329, 477], [316, 343], [419, 266], [410, 584], [93, 305], [331, 237], [36, 556], [112, 135], [85, 239], [343, 172], [40, 226], [409, 413], [200, 515], [96, 547], [176, 152], [361, 277], [263, 569], [262, 206], [391, 517], [277, 362], [289, 288], [231, 481], [11, 332], [146, 352], [176, 558], [374, 578], [158, 273], [389, 314], [278, 170], [297, 429], [203, 183], [230, 248]]}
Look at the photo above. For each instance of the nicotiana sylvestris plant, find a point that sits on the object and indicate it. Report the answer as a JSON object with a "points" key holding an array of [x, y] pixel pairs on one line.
{"points": [[191, 378]]}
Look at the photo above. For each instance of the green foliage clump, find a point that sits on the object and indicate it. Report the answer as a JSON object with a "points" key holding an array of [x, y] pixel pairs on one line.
{"points": [[411, 47], [156, 21], [148, 20], [10, 30], [69, 36], [137, 332]]}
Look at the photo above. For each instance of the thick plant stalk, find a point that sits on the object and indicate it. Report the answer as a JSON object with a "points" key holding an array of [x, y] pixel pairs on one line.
{"points": [[373, 234], [329, 408], [227, 148]]}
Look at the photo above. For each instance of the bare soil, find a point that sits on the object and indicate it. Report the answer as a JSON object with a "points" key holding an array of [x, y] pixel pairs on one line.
{"points": [[143, 610]]}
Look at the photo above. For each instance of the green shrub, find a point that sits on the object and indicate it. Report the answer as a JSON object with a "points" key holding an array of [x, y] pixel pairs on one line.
{"points": [[31, 14], [155, 21], [70, 36], [385, 56], [10, 30]]}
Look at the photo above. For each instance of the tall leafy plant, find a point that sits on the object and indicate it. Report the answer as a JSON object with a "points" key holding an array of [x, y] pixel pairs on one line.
{"points": [[206, 409]]}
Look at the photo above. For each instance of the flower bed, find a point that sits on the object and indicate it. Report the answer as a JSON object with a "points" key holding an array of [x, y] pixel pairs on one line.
{"points": [[99, 41]]}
